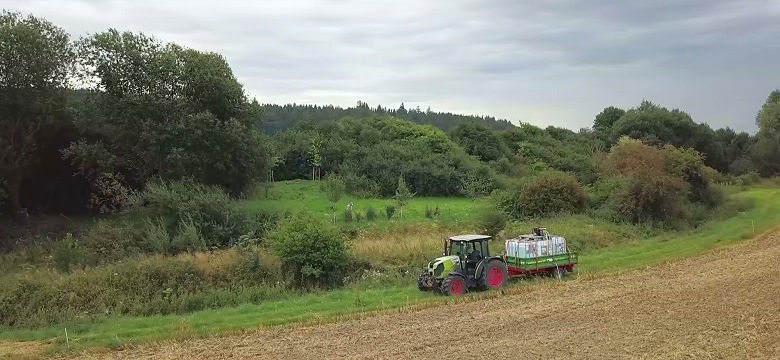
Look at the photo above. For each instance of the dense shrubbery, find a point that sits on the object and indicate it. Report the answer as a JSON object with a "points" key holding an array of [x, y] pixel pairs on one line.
{"points": [[371, 153], [644, 183], [312, 251], [187, 215], [545, 194], [152, 286]]}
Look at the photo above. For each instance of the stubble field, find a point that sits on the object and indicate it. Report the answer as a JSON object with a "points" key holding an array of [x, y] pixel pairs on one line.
{"points": [[723, 304]]}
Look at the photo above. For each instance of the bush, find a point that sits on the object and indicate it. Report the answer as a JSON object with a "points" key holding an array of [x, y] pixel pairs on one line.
{"points": [[428, 212], [551, 193], [750, 178], [155, 285], [311, 249], [206, 208], [370, 214], [492, 220], [390, 211], [348, 215]]}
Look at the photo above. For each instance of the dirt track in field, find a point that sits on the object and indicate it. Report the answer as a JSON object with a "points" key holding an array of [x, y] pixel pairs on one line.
{"points": [[721, 305]]}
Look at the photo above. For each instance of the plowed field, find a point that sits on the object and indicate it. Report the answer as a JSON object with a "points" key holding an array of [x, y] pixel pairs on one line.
{"points": [[724, 304]]}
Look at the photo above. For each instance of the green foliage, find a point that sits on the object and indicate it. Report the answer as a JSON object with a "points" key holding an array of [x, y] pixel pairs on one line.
{"points": [[765, 153], [402, 194], [475, 185], [282, 117], [36, 58], [656, 125], [312, 251], [492, 221], [553, 149], [389, 211], [147, 287], [480, 141], [551, 193], [664, 186], [334, 188], [606, 119], [369, 153], [370, 213], [189, 212], [768, 117], [163, 110], [349, 215]]}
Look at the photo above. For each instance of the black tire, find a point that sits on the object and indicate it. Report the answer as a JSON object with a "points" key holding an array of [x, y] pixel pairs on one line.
{"points": [[497, 267], [453, 285], [558, 273], [422, 283]]}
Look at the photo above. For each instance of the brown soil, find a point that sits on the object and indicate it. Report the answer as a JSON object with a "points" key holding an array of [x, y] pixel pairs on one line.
{"points": [[722, 305]]}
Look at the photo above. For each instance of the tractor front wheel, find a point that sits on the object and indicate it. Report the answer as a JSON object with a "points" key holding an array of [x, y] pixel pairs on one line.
{"points": [[425, 282], [453, 285], [494, 275]]}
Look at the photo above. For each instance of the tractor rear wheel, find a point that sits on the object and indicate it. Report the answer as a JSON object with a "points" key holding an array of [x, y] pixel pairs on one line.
{"points": [[494, 275], [453, 285]]}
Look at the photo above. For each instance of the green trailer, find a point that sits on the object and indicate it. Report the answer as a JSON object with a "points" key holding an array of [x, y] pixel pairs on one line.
{"points": [[539, 253]]}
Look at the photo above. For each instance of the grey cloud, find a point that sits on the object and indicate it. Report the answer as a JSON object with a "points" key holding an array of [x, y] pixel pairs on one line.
{"points": [[555, 62]]}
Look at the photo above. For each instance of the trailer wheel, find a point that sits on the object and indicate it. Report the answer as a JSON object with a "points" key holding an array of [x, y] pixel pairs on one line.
{"points": [[558, 273], [494, 275]]}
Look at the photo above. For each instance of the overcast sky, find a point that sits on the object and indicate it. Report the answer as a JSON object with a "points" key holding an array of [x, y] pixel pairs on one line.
{"points": [[547, 62]]}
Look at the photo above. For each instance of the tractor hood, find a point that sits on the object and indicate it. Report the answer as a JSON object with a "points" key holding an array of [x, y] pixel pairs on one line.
{"points": [[443, 266]]}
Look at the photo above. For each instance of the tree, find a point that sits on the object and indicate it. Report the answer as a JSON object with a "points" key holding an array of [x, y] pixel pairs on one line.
{"points": [[334, 188], [605, 120], [474, 185], [36, 58], [160, 110], [402, 195], [768, 118], [656, 125], [480, 141], [315, 157]]}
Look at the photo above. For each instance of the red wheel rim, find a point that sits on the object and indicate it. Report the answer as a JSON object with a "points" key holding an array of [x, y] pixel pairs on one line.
{"points": [[495, 277], [456, 287]]}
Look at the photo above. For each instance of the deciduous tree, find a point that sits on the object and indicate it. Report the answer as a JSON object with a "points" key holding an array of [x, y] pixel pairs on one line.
{"points": [[36, 58]]}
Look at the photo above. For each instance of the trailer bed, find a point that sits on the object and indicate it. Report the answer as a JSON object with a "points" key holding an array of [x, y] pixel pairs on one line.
{"points": [[541, 264]]}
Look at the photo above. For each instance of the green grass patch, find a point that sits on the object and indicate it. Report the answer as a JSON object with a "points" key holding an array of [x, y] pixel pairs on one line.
{"points": [[298, 195], [331, 306]]}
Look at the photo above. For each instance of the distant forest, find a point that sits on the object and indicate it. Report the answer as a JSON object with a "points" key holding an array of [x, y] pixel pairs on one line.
{"points": [[282, 117]]}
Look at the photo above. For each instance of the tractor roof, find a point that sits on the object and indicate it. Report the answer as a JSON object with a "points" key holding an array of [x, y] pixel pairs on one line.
{"points": [[469, 237]]}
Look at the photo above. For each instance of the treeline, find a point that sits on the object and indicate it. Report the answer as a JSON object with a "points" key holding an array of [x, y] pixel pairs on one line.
{"points": [[84, 122], [283, 117]]}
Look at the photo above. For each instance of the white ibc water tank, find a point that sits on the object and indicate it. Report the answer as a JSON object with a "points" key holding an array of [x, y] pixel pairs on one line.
{"points": [[516, 248]]}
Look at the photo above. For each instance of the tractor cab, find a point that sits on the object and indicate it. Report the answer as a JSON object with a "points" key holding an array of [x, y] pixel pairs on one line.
{"points": [[466, 263], [471, 249]]}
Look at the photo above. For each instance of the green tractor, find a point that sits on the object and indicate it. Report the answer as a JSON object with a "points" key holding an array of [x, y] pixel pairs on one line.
{"points": [[466, 264]]}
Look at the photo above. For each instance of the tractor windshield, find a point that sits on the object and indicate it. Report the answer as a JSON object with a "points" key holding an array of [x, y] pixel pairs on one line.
{"points": [[459, 248], [455, 248]]}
